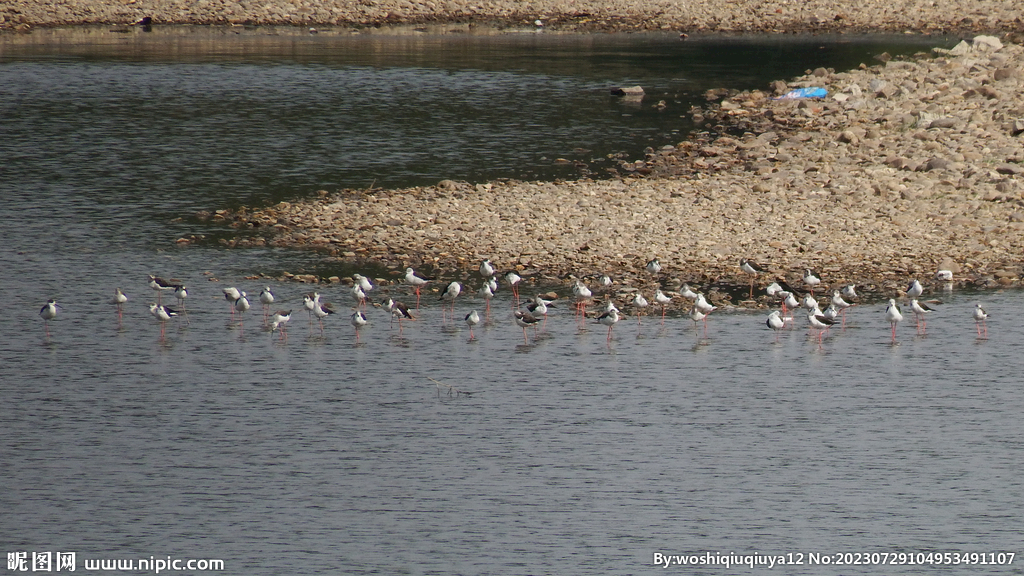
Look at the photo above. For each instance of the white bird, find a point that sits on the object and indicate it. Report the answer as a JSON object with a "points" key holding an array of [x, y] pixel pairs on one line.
{"points": [[661, 298], [358, 294], [266, 297], [231, 294], [163, 314], [472, 319], [850, 292], [980, 318], [811, 280], [48, 312], [487, 293], [809, 302], [321, 311], [609, 319], [775, 322], [582, 294], [819, 321], [893, 315], [687, 293], [831, 312], [279, 320], [358, 321], [513, 279], [605, 281], [538, 306], [920, 310], [181, 293], [640, 304], [840, 304], [789, 301], [653, 266], [698, 315], [416, 282], [486, 269], [915, 289], [773, 289], [944, 275], [241, 306], [119, 299], [364, 283], [703, 305], [310, 302], [449, 295]]}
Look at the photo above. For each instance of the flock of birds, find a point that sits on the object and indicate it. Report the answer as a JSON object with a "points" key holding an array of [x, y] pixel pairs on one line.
{"points": [[822, 320], [536, 308]]}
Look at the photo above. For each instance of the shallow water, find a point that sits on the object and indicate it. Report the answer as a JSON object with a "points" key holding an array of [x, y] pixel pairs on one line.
{"points": [[570, 455], [316, 455]]}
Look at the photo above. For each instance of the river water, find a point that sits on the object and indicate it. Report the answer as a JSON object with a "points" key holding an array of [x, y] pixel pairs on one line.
{"points": [[316, 454]]}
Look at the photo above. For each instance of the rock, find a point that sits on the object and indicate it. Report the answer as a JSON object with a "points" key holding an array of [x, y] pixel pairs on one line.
{"points": [[961, 49], [1012, 169], [943, 123], [1003, 74], [936, 164], [628, 91], [987, 43]]}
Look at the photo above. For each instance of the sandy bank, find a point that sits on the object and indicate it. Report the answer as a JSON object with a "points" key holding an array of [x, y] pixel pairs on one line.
{"points": [[906, 168]]}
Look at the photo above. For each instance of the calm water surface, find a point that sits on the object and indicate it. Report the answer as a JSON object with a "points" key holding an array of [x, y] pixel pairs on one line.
{"points": [[316, 455]]}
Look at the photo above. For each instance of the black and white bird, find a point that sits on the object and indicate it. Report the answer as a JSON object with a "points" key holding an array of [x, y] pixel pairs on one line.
{"points": [[48, 312], [449, 295], [279, 320], [358, 320], [980, 320], [752, 268], [416, 282], [915, 289], [920, 310], [609, 319], [161, 286], [525, 320], [119, 299], [321, 311], [162, 314], [181, 294], [472, 319], [819, 321], [653, 266], [811, 280]]}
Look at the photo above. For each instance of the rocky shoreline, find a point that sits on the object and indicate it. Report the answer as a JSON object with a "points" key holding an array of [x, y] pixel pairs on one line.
{"points": [[906, 168], [772, 16]]}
